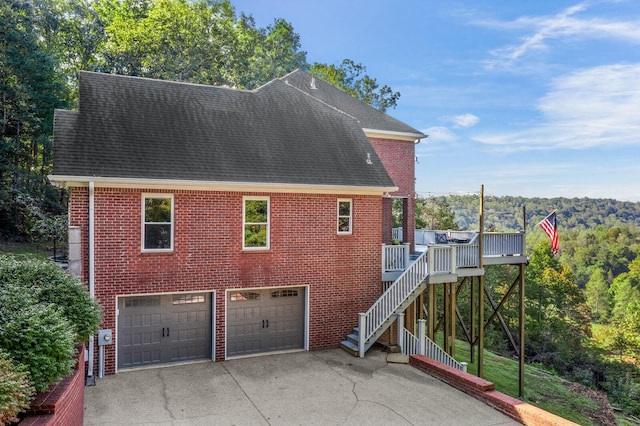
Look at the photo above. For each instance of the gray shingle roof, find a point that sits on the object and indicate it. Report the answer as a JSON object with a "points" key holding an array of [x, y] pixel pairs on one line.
{"points": [[136, 128], [368, 116]]}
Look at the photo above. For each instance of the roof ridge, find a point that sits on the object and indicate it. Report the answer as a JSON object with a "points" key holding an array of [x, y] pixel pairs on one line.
{"points": [[168, 82], [319, 100]]}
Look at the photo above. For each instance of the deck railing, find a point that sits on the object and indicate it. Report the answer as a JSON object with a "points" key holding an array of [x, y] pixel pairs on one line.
{"points": [[447, 256], [442, 259], [503, 244], [395, 257], [468, 255]]}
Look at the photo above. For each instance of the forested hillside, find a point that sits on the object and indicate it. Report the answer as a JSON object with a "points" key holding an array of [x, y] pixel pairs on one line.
{"points": [[505, 213], [592, 284]]}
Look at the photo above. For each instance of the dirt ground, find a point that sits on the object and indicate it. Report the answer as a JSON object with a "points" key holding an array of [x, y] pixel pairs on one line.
{"points": [[604, 416]]}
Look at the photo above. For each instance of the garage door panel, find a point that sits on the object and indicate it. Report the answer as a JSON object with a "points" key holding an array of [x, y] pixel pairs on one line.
{"points": [[168, 328], [138, 358], [245, 347], [265, 320]]}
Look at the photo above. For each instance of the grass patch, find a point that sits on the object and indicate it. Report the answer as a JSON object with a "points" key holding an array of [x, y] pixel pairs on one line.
{"points": [[25, 249], [541, 388]]}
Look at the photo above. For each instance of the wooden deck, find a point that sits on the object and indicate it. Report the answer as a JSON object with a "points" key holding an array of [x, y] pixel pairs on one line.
{"points": [[453, 254]]}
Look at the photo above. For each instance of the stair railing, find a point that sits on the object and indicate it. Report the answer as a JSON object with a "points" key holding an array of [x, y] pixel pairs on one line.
{"points": [[390, 301], [422, 345]]}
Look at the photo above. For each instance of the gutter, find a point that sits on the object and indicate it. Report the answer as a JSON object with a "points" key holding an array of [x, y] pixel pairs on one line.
{"points": [[92, 289], [66, 181]]}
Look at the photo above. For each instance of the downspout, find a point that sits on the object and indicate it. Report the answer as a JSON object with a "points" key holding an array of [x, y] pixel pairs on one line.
{"points": [[92, 291]]}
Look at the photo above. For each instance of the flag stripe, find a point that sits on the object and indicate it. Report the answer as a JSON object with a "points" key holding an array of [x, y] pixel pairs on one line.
{"points": [[550, 227]]}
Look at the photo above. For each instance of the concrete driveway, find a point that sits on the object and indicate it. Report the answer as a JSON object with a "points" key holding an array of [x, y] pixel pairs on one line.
{"points": [[328, 387]]}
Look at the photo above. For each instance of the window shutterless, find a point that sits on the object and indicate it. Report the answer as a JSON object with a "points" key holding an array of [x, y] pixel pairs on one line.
{"points": [[345, 207], [157, 222], [255, 223]]}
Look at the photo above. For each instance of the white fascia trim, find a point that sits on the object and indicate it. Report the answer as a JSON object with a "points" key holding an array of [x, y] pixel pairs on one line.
{"points": [[405, 136], [109, 182]]}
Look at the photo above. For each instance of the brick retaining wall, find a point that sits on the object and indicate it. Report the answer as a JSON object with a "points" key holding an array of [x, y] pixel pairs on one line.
{"points": [[63, 403], [484, 390]]}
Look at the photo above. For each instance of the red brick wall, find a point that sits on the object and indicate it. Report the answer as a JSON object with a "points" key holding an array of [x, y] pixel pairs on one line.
{"points": [[398, 157], [63, 403], [342, 272], [485, 391]]}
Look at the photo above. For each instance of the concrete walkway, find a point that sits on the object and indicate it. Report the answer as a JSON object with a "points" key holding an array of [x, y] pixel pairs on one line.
{"points": [[327, 387]]}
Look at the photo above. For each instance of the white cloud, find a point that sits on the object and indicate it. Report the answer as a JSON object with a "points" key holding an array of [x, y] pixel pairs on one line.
{"points": [[440, 134], [462, 120], [563, 25], [594, 107]]}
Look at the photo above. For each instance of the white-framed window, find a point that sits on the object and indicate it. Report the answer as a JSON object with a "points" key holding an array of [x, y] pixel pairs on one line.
{"points": [[255, 223], [157, 222], [345, 210]]}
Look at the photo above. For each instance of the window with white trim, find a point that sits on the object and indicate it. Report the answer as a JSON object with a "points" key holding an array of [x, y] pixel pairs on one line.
{"points": [[157, 222], [345, 207], [255, 223]]}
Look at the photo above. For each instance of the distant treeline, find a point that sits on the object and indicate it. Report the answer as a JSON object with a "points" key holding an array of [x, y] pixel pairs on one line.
{"points": [[506, 213]]}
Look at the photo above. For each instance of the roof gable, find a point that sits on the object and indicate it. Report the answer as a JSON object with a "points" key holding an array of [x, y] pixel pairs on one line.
{"points": [[137, 128], [368, 116]]}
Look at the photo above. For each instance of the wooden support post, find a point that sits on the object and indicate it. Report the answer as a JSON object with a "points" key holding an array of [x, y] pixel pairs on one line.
{"points": [[481, 326], [446, 315], [521, 320], [431, 326], [452, 316], [481, 288], [472, 331]]}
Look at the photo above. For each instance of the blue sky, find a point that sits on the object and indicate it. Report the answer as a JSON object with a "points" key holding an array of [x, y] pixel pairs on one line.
{"points": [[532, 98]]}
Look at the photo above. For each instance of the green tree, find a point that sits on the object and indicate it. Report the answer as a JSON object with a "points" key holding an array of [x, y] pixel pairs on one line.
{"points": [[624, 291], [196, 41], [73, 32], [557, 315], [435, 213], [30, 90], [596, 293], [275, 52], [351, 78]]}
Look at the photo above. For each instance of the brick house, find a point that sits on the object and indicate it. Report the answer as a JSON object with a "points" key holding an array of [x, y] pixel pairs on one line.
{"points": [[213, 223]]}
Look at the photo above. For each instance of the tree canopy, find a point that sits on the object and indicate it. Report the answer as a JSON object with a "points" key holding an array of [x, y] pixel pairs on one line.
{"points": [[351, 77], [46, 43]]}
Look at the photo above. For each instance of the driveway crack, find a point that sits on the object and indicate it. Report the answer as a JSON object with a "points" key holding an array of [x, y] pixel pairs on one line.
{"points": [[363, 382], [245, 394], [165, 395]]}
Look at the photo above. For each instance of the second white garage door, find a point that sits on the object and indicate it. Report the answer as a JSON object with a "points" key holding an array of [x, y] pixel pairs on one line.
{"points": [[265, 320]]}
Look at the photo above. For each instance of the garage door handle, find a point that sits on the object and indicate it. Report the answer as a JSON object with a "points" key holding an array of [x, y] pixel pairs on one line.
{"points": [[267, 323], [262, 323], [167, 331]]}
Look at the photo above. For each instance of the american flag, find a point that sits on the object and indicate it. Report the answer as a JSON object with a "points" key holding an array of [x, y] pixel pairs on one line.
{"points": [[550, 227]]}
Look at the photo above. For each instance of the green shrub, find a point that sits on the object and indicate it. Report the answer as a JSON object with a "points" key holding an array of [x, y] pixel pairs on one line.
{"points": [[36, 334], [51, 285], [15, 391]]}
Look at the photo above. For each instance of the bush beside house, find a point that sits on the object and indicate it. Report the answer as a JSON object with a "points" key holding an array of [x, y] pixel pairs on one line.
{"points": [[44, 312], [15, 391]]}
